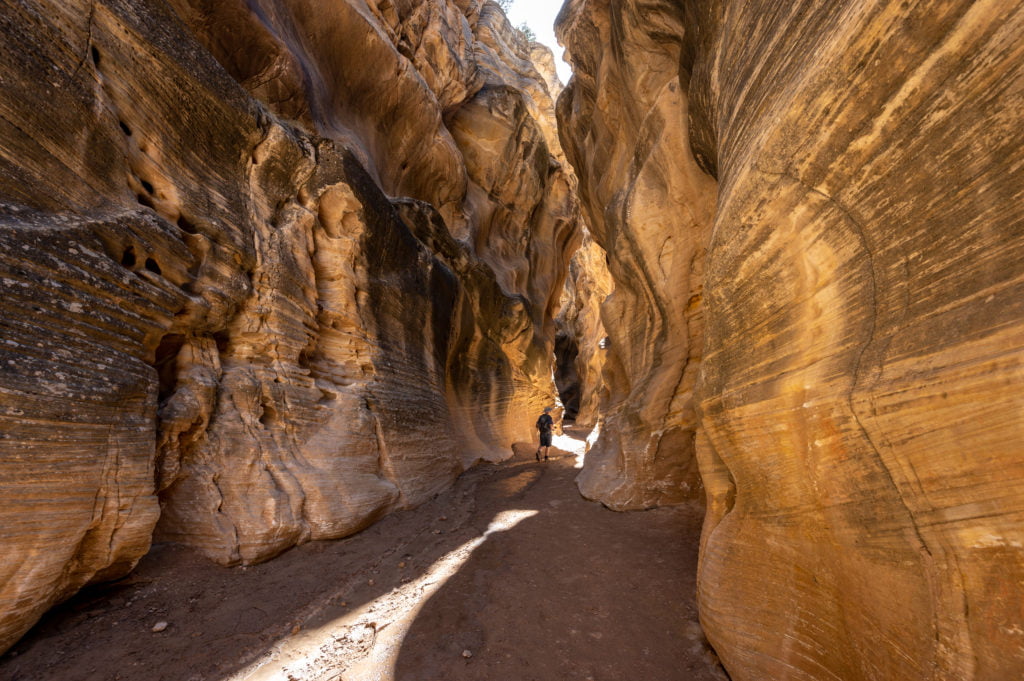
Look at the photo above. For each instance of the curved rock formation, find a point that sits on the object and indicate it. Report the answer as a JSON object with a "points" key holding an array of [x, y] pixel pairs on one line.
{"points": [[580, 343], [254, 288], [649, 205], [861, 425]]}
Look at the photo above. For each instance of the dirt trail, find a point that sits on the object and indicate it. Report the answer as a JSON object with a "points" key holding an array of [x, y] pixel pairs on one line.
{"points": [[509, 576]]}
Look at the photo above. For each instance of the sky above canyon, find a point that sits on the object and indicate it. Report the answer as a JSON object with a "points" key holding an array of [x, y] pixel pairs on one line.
{"points": [[540, 16]]}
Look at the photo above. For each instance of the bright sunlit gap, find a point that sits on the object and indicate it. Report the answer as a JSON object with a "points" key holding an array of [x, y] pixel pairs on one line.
{"points": [[356, 634], [540, 15], [575, 446]]}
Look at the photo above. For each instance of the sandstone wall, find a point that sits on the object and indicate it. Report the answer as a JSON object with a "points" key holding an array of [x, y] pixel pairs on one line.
{"points": [[650, 207], [254, 291], [860, 421], [580, 342]]}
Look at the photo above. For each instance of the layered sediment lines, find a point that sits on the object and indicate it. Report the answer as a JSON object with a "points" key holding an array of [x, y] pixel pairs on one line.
{"points": [[270, 270], [860, 426], [650, 207]]}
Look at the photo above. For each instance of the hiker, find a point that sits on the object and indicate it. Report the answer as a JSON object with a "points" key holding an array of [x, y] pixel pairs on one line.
{"points": [[544, 424]]}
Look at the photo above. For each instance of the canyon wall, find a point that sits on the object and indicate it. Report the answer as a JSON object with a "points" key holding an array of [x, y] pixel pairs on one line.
{"points": [[270, 270], [580, 342], [650, 207], [860, 419]]}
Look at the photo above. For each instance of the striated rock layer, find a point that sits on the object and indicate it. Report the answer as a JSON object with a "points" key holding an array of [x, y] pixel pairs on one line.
{"points": [[860, 421], [650, 207], [256, 292]]}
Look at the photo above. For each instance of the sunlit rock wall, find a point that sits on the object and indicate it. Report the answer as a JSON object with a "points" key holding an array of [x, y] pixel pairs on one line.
{"points": [[861, 421], [268, 273], [649, 205]]}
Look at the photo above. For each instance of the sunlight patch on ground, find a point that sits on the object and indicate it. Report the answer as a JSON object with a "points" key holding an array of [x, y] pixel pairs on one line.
{"points": [[574, 446], [506, 520], [364, 644]]}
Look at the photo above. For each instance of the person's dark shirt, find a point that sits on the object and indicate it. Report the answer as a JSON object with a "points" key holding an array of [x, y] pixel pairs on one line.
{"points": [[544, 423]]}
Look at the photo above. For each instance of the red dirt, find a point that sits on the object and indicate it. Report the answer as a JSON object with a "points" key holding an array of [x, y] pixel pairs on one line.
{"points": [[559, 589]]}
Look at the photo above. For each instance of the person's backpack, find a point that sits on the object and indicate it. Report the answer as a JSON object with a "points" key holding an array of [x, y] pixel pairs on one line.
{"points": [[544, 423]]}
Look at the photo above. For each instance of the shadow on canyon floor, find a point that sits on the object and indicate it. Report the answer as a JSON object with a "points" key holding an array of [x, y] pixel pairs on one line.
{"points": [[509, 575]]}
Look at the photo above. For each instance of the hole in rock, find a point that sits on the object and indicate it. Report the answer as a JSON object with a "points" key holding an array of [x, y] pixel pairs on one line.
{"points": [[268, 417], [128, 257], [95, 54], [144, 200], [567, 380], [124, 128], [147, 186], [153, 266], [165, 363], [187, 226], [222, 339], [306, 356]]}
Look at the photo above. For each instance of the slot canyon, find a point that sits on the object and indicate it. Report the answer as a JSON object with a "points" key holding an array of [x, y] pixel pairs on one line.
{"points": [[286, 284]]}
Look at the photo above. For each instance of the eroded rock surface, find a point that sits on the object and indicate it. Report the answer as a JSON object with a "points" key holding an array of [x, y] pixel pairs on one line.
{"points": [[580, 342], [860, 424], [650, 206], [269, 270]]}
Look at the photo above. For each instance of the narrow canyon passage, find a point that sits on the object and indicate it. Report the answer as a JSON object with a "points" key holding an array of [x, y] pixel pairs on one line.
{"points": [[508, 575], [283, 283]]}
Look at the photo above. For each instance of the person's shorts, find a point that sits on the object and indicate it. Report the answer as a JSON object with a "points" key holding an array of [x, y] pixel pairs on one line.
{"points": [[545, 439]]}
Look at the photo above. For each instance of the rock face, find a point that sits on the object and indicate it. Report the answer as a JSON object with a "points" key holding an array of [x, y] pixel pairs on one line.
{"points": [[860, 424], [580, 341], [255, 292], [650, 206]]}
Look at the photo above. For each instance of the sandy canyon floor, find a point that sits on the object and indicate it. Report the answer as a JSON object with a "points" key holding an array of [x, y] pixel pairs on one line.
{"points": [[508, 576]]}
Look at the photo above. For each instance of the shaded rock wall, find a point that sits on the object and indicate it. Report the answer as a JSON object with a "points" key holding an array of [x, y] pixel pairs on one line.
{"points": [[254, 292], [581, 334], [860, 430]]}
